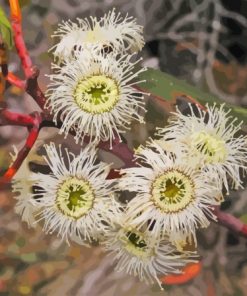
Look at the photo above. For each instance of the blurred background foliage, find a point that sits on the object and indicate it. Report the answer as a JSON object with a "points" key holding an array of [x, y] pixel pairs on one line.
{"points": [[200, 41]]}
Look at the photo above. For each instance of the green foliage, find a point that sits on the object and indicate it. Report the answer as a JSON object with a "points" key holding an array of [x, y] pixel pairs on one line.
{"points": [[167, 87], [5, 29]]}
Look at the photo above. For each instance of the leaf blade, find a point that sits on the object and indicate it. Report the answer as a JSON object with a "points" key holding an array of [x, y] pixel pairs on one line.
{"points": [[166, 86], [6, 29]]}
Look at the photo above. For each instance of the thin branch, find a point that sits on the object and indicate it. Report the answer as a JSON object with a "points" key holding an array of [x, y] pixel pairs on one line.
{"points": [[32, 121], [13, 79], [12, 118], [3, 58], [15, 17], [34, 90], [117, 147], [22, 154], [4, 68], [232, 223], [31, 72], [120, 150]]}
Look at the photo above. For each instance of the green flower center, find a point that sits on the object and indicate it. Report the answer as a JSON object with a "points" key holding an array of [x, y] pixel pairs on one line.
{"points": [[172, 191], [74, 198], [136, 240], [96, 94], [135, 243], [212, 149]]}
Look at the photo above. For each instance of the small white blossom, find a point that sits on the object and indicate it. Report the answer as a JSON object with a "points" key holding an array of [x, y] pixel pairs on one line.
{"points": [[136, 253], [112, 32], [25, 206], [94, 97], [76, 198], [23, 187], [209, 141], [171, 195]]}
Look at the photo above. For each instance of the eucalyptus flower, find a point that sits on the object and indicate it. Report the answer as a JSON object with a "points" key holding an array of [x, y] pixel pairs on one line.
{"points": [[136, 253], [171, 196], [94, 96], [76, 198], [23, 189], [112, 32], [210, 141]]}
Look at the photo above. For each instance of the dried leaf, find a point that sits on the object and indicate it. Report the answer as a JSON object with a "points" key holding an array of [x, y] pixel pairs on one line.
{"points": [[168, 87]]}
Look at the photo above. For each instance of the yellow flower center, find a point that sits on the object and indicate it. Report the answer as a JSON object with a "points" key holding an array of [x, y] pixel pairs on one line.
{"points": [[213, 149], [96, 94], [74, 198], [134, 243], [172, 191]]}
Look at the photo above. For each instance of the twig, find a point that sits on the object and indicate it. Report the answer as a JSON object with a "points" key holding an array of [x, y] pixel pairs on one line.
{"points": [[34, 90], [232, 223], [22, 154], [4, 68], [15, 17], [31, 72], [41, 120], [120, 150], [13, 79], [12, 118], [117, 148], [32, 121]]}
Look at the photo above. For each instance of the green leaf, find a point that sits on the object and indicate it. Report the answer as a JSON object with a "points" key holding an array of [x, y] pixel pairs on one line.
{"points": [[167, 86], [5, 29]]}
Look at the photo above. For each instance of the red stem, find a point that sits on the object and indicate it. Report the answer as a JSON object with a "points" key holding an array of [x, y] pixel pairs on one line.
{"points": [[120, 150], [12, 118], [31, 72], [232, 223], [33, 89], [117, 147], [13, 79], [15, 17], [22, 154]]}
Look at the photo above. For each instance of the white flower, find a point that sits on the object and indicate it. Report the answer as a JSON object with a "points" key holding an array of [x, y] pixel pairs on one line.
{"points": [[94, 96], [75, 197], [23, 187], [111, 33], [136, 253], [26, 206], [209, 140], [173, 197]]}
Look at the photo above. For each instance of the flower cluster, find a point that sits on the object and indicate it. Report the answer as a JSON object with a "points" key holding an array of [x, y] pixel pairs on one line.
{"points": [[208, 140], [111, 33], [181, 173], [92, 88]]}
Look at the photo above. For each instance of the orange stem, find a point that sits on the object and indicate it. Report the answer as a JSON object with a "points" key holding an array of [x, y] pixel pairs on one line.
{"points": [[13, 79], [15, 10]]}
